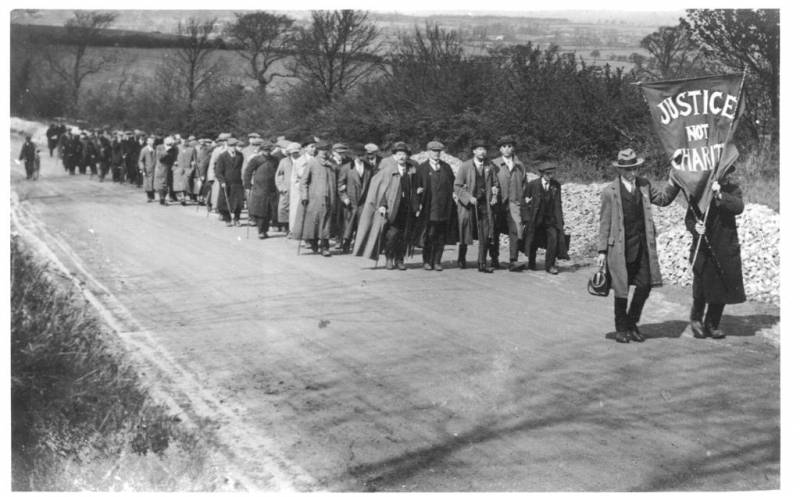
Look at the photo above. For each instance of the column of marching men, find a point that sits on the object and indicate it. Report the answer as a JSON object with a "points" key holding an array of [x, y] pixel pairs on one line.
{"points": [[339, 198], [352, 199]]}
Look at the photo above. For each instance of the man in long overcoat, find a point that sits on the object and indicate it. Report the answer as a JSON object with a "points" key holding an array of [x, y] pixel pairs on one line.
{"points": [[718, 268], [389, 218], [626, 241], [117, 158], [512, 177], [317, 195], [147, 167], [203, 150], [131, 147], [166, 154], [438, 220], [339, 161], [259, 181], [287, 178], [228, 172], [544, 218], [353, 181], [476, 190], [183, 169]]}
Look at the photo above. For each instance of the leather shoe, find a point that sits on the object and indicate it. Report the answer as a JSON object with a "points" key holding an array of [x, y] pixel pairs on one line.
{"points": [[516, 266], [635, 335], [716, 333], [326, 253], [552, 270], [621, 337], [427, 266], [389, 264], [438, 267], [399, 265], [698, 330]]}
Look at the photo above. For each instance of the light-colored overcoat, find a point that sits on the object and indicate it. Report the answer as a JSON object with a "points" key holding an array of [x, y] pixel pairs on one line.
{"points": [[611, 235]]}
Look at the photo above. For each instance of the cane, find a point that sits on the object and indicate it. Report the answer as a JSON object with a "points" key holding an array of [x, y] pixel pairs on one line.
{"points": [[380, 239], [224, 188], [302, 225]]}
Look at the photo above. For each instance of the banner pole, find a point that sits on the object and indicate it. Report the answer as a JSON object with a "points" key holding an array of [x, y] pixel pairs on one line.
{"points": [[713, 178]]}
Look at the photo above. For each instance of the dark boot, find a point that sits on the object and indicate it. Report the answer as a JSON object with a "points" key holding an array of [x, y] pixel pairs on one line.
{"points": [[462, 256], [696, 318], [635, 313], [621, 320]]}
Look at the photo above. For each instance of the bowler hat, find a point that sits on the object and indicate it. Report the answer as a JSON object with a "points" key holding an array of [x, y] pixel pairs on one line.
{"points": [[477, 144], [627, 158], [397, 146], [505, 140]]}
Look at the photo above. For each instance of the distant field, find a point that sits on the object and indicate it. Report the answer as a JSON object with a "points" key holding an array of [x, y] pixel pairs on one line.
{"points": [[139, 65]]}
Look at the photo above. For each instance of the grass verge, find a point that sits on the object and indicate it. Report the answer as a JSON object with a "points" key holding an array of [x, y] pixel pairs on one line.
{"points": [[80, 419]]}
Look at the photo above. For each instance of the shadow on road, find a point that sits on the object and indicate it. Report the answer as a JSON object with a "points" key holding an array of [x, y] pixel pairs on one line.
{"points": [[740, 326]]}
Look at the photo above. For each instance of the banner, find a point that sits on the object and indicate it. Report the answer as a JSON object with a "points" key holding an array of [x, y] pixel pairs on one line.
{"points": [[695, 120]]}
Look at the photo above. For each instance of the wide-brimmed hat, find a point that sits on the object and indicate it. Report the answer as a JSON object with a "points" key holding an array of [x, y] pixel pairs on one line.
{"points": [[505, 140], [627, 158], [435, 145], [397, 146], [546, 165]]}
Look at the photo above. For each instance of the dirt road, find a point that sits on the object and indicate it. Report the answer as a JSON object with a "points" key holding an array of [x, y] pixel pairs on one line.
{"points": [[324, 374]]}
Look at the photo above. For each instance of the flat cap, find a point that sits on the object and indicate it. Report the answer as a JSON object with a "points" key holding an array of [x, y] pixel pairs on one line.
{"points": [[232, 141], [254, 135], [258, 141], [506, 140], [293, 147], [398, 146], [546, 165], [323, 145], [223, 136], [435, 145], [371, 148], [308, 140], [339, 147]]}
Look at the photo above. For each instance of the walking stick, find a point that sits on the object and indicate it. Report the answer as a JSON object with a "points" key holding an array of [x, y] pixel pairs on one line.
{"points": [[704, 238], [302, 225], [380, 239], [225, 192]]}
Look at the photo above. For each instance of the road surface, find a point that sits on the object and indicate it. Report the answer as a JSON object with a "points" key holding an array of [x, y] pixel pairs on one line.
{"points": [[326, 374]]}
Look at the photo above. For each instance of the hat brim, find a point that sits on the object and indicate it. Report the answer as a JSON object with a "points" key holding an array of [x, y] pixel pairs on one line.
{"points": [[638, 163]]}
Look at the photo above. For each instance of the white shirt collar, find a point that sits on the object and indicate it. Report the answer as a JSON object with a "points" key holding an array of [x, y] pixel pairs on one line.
{"points": [[629, 185]]}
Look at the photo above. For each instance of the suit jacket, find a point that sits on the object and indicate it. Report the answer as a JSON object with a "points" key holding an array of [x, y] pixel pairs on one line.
{"points": [[450, 214], [611, 233]]}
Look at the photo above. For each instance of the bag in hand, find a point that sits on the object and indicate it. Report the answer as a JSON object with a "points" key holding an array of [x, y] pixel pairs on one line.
{"points": [[600, 282]]}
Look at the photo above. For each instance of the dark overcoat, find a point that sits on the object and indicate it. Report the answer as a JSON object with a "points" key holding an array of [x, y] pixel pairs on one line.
{"points": [[721, 284], [354, 188], [465, 187], [228, 170], [611, 234], [384, 190], [424, 171], [533, 215], [259, 178], [165, 158]]}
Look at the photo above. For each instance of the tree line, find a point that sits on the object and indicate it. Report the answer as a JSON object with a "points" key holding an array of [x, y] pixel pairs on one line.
{"points": [[347, 83]]}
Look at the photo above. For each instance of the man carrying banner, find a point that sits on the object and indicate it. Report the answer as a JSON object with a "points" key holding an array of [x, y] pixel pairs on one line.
{"points": [[695, 120], [626, 240]]}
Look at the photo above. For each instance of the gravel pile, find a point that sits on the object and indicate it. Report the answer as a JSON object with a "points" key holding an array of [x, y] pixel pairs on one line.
{"points": [[759, 235]]}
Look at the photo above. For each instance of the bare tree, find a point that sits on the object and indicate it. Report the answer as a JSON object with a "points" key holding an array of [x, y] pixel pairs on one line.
{"points": [[265, 39], [337, 51], [73, 62], [673, 51], [193, 64]]}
